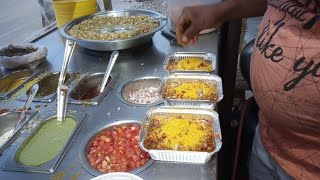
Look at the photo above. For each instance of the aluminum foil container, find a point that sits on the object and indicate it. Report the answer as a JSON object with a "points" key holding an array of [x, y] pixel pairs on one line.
{"points": [[182, 156], [178, 56], [187, 77]]}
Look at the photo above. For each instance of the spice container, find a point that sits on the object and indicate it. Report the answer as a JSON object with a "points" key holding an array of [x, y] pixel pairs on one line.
{"points": [[192, 90], [190, 62], [143, 91], [28, 158], [48, 85], [87, 90], [174, 154], [14, 81], [8, 121]]}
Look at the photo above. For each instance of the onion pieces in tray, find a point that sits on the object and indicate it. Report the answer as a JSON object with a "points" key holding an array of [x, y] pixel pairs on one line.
{"points": [[147, 95]]}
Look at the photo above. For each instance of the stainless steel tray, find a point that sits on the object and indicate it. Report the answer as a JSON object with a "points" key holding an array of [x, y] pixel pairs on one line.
{"points": [[95, 79], [44, 82], [8, 121], [103, 45], [182, 156], [13, 165], [175, 57], [185, 77], [10, 78], [137, 83], [84, 148]]}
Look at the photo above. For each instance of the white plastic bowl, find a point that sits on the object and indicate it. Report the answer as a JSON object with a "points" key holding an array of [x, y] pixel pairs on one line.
{"points": [[117, 176]]}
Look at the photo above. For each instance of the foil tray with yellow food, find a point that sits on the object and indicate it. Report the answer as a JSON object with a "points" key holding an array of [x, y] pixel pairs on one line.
{"points": [[192, 90], [181, 134], [190, 62]]}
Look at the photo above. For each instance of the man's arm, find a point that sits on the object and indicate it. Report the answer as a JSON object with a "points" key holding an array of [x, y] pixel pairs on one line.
{"points": [[247, 8], [195, 19]]}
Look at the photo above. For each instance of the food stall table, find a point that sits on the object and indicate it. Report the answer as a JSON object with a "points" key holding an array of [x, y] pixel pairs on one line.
{"points": [[146, 60]]}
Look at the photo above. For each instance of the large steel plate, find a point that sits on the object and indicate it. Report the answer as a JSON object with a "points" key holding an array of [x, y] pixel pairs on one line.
{"points": [[119, 44]]}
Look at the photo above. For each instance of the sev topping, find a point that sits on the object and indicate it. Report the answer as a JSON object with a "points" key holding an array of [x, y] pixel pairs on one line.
{"points": [[193, 90], [194, 63], [180, 132]]}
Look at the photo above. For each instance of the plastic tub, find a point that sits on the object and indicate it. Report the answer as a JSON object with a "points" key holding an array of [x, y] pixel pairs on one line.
{"points": [[66, 10], [175, 8]]}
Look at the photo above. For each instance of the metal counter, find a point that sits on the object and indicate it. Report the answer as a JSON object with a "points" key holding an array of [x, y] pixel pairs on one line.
{"points": [[145, 60]]}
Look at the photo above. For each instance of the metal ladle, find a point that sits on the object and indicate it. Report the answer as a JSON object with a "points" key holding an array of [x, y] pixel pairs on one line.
{"points": [[62, 90], [66, 59], [113, 58], [32, 93], [62, 102]]}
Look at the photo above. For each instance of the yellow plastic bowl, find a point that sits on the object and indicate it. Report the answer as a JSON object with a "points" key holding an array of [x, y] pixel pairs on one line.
{"points": [[66, 10], [62, 19], [79, 5], [77, 12]]}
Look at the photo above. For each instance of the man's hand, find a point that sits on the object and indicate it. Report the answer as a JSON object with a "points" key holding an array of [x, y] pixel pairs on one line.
{"points": [[197, 18]]}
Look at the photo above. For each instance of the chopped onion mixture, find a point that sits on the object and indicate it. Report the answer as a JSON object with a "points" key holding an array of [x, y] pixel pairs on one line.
{"points": [[147, 95]]}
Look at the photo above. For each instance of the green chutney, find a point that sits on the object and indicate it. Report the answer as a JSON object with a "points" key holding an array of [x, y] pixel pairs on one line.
{"points": [[47, 142]]}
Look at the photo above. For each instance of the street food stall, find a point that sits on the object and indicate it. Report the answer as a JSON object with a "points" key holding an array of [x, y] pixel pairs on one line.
{"points": [[156, 115]]}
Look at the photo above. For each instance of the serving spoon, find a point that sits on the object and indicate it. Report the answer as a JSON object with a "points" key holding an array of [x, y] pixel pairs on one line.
{"points": [[66, 59], [32, 93], [113, 58], [62, 103]]}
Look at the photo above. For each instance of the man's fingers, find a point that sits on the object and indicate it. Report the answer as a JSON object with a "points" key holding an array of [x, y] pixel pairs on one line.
{"points": [[183, 23], [195, 38], [190, 33], [187, 30]]}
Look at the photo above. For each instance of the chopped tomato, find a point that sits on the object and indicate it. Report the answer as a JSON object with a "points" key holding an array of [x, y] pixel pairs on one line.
{"points": [[116, 149]]}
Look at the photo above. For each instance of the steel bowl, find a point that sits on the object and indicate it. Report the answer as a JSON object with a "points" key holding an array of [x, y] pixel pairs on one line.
{"points": [[119, 44], [87, 141], [136, 84]]}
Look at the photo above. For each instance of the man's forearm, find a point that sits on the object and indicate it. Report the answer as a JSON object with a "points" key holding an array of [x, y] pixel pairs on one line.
{"points": [[194, 19], [248, 8], [235, 9]]}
